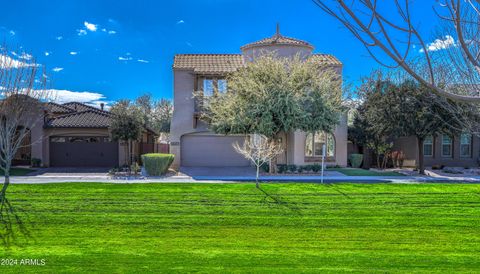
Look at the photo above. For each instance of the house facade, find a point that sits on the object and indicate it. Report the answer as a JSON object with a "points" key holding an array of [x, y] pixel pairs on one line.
{"points": [[194, 145], [461, 150], [77, 135]]}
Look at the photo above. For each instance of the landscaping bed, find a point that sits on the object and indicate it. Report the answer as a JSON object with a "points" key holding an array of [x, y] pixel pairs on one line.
{"points": [[364, 172], [18, 171], [315, 169], [165, 228]]}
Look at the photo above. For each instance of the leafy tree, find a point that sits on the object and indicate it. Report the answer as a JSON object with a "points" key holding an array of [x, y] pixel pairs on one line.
{"points": [[391, 110], [273, 95], [162, 114], [157, 114], [127, 125]]}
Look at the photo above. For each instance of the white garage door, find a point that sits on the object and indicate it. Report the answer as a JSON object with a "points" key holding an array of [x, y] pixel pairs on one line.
{"points": [[211, 151]]}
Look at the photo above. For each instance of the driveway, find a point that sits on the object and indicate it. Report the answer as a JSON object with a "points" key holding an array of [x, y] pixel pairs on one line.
{"points": [[195, 172]]}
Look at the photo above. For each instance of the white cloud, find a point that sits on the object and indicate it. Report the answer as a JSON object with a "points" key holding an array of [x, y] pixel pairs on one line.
{"points": [[90, 26], [61, 96], [440, 44], [143, 61], [189, 44], [7, 62], [59, 38], [25, 56], [73, 53], [109, 31], [47, 53], [12, 33], [124, 58], [180, 21], [57, 69], [81, 32]]}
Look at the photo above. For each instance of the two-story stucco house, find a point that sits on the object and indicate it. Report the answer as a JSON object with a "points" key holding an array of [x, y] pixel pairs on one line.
{"points": [[194, 145]]}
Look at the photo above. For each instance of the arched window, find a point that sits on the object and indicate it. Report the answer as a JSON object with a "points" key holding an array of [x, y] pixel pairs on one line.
{"points": [[315, 141]]}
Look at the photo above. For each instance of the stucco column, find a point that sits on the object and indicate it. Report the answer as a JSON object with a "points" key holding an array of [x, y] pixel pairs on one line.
{"points": [[341, 139]]}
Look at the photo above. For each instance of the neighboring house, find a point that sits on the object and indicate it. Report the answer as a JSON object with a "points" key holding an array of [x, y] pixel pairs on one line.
{"points": [[455, 151], [195, 145], [77, 135]]}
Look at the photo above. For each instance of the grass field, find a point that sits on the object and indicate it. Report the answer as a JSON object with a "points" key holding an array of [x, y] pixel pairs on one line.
{"points": [[154, 228], [363, 172]]}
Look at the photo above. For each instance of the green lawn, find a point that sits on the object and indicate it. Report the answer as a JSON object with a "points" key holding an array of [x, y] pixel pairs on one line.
{"points": [[154, 228], [363, 172], [18, 171]]}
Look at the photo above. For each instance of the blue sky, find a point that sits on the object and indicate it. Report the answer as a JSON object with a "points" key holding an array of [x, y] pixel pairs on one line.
{"points": [[122, 49]]}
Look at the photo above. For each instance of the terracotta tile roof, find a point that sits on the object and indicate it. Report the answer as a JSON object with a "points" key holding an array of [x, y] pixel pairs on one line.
{"points": [[225, 63], [83, 119], [76, 106], [209, 63], [278, 39], [325, 59], [57, 108]]}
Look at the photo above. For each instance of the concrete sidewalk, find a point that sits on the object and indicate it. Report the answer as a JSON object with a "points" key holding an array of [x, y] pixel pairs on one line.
{"points": [[42, 179]]}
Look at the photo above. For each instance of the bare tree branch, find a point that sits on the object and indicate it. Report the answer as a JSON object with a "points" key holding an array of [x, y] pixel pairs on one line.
{"points": [[379, 33], [22, 96]]}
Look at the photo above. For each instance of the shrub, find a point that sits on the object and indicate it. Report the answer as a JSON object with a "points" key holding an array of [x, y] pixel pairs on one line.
{"points": [[35, 162], [292, 168], [265, 167], [135, 168], [316, 168], [356, 160], [281, 168], [307, 168], [157, 164]]}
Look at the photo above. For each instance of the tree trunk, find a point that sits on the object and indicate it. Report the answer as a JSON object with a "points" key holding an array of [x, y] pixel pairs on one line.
{"points": [[257, 183], [126, 153], [420, 164], [378, 159], [6, 183], [272, 164]]}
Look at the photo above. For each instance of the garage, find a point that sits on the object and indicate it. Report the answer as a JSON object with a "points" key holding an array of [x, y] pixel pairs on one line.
{"points": [[83, 151], [211, 151]]}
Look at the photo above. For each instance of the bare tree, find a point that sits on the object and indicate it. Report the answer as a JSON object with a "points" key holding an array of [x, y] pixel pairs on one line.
{"points": [[260, 150], [22, 94], [453, 71]]}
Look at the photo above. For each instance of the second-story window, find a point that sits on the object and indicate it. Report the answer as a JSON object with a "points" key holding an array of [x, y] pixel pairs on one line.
{"points": [[208, 87], [212, 86], [222, 85]]}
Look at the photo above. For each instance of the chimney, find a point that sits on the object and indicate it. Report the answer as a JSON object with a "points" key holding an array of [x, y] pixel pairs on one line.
{"points": [[102, 105]]}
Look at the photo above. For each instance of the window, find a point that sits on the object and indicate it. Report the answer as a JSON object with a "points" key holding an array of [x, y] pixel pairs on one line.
{"points": [[314, 144], [57, 139], [212, 86], [208, 87], [428, 146], [465, 145], [446, 146], [222, 85]]}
